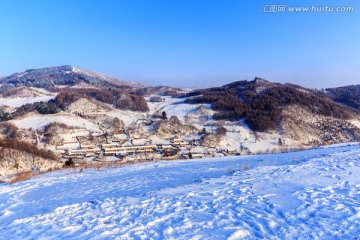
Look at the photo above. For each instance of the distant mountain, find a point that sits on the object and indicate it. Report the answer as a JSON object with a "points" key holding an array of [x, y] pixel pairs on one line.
{"points": [[73, 83], [62, 75], [348, 95]]}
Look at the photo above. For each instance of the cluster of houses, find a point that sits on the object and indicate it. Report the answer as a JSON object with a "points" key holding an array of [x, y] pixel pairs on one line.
{"points": [[115, 149]]}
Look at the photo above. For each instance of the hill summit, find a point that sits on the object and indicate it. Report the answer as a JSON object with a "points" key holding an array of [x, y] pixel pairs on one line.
{"points": [[61, 75]]}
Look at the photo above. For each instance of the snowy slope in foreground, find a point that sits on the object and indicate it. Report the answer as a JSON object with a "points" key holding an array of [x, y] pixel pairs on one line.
{"points": [[309, 194]]}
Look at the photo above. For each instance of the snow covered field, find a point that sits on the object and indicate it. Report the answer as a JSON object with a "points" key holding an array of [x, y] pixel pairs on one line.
{"points": [[18, 102], [313, 194], [39, 121]]}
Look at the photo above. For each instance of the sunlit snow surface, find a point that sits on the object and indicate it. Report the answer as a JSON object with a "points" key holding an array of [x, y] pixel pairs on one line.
{"points": [[304, 195], [18, 102]]}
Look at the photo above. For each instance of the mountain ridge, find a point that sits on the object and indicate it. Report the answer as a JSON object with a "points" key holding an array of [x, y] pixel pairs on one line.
{"points": [[347, 95], [70, 107], [61, 75], [262, 104]]}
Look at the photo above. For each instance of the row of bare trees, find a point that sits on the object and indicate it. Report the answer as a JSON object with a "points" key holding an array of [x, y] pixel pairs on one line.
{"points": [[24, 147], [120, 99]]}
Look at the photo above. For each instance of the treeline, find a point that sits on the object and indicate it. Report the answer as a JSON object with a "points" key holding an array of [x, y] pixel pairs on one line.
{"points": [[208, 93], [156, 99], [262, 110], [8, 92], [40, 107], [118, 98], [25, 147], [317, 103], [64, 99], [156, 90], [349, 95]]}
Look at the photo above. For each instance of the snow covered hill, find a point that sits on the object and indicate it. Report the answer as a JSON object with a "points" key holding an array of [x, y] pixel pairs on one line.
{"points": [[312, 194], [60, 75], [243, 117]]}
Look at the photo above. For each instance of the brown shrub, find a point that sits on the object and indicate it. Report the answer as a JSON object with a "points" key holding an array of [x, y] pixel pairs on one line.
{"points": [[22, 176], [9, 130], [27, 147], [155, 99]]}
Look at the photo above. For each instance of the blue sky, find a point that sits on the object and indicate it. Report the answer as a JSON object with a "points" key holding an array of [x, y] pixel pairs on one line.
{"points": [[186, 43]]}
